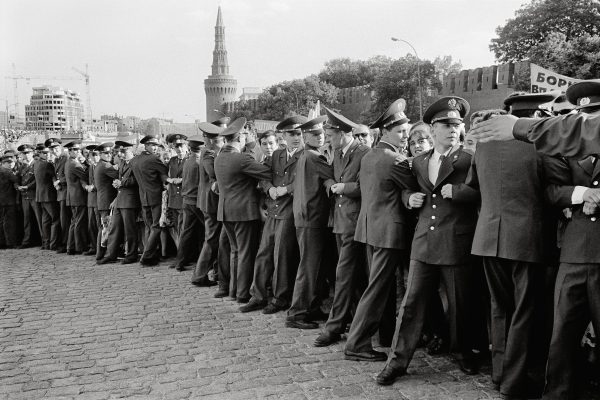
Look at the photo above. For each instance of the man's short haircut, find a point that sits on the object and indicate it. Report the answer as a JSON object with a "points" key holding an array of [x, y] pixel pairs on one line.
{"points": [[267, 134]]}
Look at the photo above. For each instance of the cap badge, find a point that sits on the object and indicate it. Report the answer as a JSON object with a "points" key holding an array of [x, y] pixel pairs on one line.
{"points": [[177, 137], [452, 114], [584, 101], [452, 103]]}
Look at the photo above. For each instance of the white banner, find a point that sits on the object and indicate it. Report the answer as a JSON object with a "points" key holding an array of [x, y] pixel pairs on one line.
{"points": [[544, 80]]}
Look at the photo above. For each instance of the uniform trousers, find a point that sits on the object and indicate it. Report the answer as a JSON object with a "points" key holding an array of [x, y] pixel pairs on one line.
{"points": [[214, 249], [243, 239], [176, 217], [93, 222], [77, 240], [351, 268], [276, 262], [512, 290], [423, 281], [31, 209], [50, 225], [151, 216], [123, 227], [192, 234], [305, 299], [370, 315], [576, 302], [8, 225], [103, 232], [65, 223]]}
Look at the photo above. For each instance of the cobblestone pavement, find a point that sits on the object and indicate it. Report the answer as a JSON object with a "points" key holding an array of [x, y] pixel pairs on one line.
{"points": [[72, 329]]}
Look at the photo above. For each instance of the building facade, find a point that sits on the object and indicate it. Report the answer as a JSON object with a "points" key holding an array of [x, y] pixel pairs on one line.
{"points": [[54, 109], [220, 87]]}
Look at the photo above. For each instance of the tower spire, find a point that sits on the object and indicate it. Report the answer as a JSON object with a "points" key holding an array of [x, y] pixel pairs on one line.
{"points": [[220, 65]]}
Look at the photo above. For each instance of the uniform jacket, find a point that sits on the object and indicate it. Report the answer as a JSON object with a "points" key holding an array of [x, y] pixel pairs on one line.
{"points": [[253, 148], [150, 174], [382, 221], [92, 197], [27, 178], [59, 169], [311, 203], [208, 201], [104, 174], [175, 168], [77, 178], [238, 175], [580, 238], [44, 177], [191, 176], [128, 195], [346, 170], [8, 191], [509, 176], [284, 174], [445, 228]]}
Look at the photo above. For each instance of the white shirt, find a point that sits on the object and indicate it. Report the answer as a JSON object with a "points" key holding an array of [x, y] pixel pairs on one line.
{"points": [[290, 153], [345, 149], [434, 164]]}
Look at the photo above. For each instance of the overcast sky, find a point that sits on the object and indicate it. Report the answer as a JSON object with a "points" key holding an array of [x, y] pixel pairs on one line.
{"points": [[150, 57]]}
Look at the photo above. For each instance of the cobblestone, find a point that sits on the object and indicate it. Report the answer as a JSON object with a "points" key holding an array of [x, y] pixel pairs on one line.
{"points": [[70, 329]]}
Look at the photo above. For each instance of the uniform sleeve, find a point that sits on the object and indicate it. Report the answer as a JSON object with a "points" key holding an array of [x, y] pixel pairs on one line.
{"points": [[208, 163], [402, 176], [462, 193], [572, 135], [324, 170], [81, 173], [254, 169], [559, 189]]}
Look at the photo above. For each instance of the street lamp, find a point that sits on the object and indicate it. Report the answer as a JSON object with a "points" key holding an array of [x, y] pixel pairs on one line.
{"points": [[418, 75]]}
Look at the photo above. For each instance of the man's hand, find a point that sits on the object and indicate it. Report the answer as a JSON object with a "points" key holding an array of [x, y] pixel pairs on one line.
{"points": [[592, 196], [281, 191], [273, 193], [337, 188], [499, 127], [590, 208], [416, 200], [116, 183], [447, 191]]}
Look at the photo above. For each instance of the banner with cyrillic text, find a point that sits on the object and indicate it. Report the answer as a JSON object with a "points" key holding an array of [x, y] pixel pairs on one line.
{"points": [[545, 80]]}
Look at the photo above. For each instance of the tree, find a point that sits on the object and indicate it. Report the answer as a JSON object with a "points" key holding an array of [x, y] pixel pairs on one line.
{"points": [[534, 22], [345, 73], [445, 65]]}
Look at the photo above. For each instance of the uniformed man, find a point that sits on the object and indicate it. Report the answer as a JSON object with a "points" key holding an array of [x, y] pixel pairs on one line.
{"points": [[222, 122], [60, 184], [237, 176], [277, 259], [268, 145], [32, 218], [77, 178], [45, 196], [310, 207], [351, 266], [175, 199], [93, 220], [104, 175], [192, 233], [126, 207], [575, 183], [151, 175], [384, 173], [216, 244], [8, 202]]}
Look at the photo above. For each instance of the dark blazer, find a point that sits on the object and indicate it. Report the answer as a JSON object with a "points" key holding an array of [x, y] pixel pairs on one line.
{"points": [[444, 231], [175, 168], [77, 177], [572, 135], [104, 174], [8, 191], [509, 175], [150, 174], [59, 169], [27, 178], [128, 195], [208, 201], [191, 175], [346, 170], [382, 221], [44, 177], [580, 238], [284, 174], [311, 203], [92, 197], [238, 175]]}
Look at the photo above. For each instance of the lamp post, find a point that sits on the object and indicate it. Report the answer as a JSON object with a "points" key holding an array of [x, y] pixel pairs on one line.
{"points": [[418, 75]]}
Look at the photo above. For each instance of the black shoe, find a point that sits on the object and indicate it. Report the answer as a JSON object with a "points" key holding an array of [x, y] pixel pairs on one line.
{"points": [[204, 282], [389, 375], [180, 268], [90, 252], [242, 300], [301, 324], [327, 338], [73, 252], [106, 261], [61, 250], [318, 316], [437, 346], [149, 262], [469, 366], [371, 356], [129, 260], [272, 309], [100, 255], [252, 306], [221, 293], [173, 266], [24, 246]]}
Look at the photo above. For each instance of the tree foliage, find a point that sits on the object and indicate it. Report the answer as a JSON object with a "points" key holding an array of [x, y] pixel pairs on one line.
{"points": [[536, 21], [345, 72]]}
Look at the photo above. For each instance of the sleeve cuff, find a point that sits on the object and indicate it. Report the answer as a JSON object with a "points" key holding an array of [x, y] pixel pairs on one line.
{"points": [[522, 127], [577, 195]]}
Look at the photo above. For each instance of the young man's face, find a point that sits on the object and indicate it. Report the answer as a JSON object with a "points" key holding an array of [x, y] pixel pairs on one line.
{"points": [[316, 139], [8, 164], [293, 139], [57, 150], [446, 134], [28, 156], [151, 148], [268, 145]]}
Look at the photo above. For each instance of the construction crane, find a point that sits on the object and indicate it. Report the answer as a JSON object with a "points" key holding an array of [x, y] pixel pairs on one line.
{"points": [[86, 76]]}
